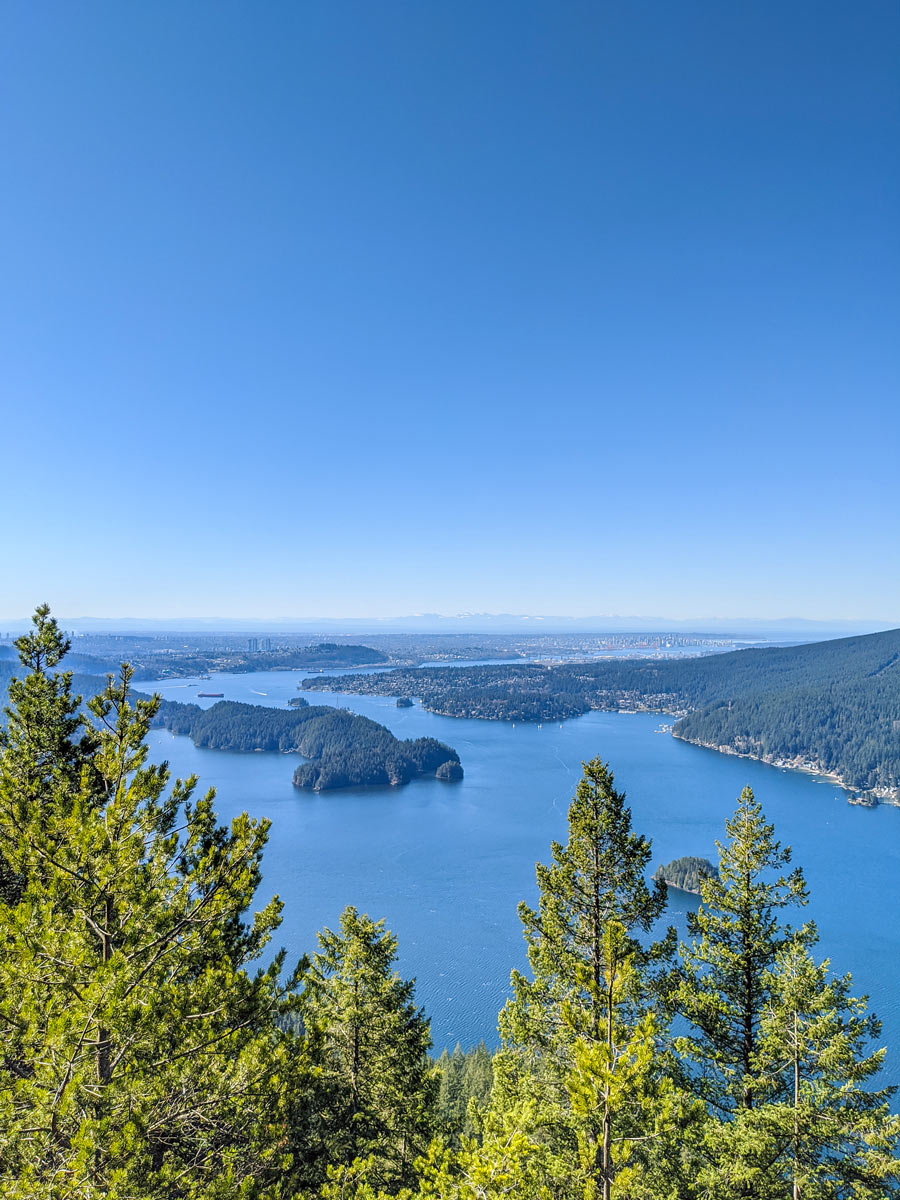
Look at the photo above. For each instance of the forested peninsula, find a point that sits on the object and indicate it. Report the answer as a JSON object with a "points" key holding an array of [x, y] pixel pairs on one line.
{"points": [[831, 707], [343, 749]]}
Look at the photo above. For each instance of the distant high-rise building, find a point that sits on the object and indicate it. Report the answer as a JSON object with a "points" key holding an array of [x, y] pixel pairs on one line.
{"points": [[252, 645], [267, 644]]}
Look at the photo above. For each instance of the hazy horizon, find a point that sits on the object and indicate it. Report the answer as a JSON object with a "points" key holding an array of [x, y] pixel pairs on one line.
{"points": [[472, 623]]}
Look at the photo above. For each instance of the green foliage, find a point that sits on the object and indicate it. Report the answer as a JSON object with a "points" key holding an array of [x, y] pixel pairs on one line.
{"points": [[464, 1077], [141, 1056], [148, 1056], [777, 1046], [42, 754], [596, 879], [724, 982], [685, 873], [583, 1024], [838, 1136], [369, 1045]]}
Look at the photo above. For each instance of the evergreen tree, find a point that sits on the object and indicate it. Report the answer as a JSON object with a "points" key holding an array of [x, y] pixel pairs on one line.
{"points": [[464, 1077], [582, 1021], [369, 1044], [723, 990], [839, 1138], [141, 1057], [44, 747]]}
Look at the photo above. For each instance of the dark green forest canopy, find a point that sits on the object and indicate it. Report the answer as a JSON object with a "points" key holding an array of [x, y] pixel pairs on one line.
{"points": [[344, 749], [830, 705], [685, 873]]}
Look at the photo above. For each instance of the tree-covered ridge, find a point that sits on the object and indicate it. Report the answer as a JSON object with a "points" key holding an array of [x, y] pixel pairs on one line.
{"points": [[833, 706], [848, 727], [685, 873], [344, 749]]}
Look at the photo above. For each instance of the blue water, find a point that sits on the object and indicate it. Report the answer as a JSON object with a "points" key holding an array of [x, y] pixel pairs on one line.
{"points": [[446, 863]]}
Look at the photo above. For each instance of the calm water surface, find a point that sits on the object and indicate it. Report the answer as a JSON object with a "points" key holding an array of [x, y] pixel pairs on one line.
{"points": [[446, 863]]}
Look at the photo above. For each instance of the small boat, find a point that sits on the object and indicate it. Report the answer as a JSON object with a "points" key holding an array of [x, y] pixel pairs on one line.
{"points": [[210, 695]]}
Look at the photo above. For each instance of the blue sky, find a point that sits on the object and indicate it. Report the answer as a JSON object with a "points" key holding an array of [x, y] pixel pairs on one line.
{"points": [[342, 309]]}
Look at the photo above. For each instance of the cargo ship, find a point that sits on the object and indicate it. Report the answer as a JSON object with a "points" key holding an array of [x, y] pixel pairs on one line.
{"points": [[210, 695]]}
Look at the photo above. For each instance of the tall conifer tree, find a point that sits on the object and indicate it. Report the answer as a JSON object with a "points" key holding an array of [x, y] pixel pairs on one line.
{"points": [[724, 988], [369, 1043], [142, 1058], [778, 1048], [837, 1136], [583, 1020]]}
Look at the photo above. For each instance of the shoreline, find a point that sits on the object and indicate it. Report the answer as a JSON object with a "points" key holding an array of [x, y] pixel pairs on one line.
{"points": [[860, 797]]}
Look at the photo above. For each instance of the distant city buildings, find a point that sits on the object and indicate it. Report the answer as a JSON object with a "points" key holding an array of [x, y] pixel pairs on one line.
{"points": [[266, 644], [253, 645]]}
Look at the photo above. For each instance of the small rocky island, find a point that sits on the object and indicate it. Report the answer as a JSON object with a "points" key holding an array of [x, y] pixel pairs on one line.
{"points": [[404, 702], [343, 749], [686, 873]]}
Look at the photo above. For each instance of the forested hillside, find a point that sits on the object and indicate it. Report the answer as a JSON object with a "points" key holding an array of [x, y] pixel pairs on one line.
{"points": [[846, 722], [834, 706]]}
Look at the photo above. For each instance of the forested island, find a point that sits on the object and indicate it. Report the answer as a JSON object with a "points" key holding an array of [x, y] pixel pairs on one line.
{"points": [[344, 749], [686, 874], [831, 707]]}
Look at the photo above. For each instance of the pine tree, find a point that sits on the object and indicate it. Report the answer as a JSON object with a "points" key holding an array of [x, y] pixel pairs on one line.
{"points": [[44, 747], [464, 1077], [724, 988], [582, 1021], [142, 1057], [838, 1137], [369, 1044]]}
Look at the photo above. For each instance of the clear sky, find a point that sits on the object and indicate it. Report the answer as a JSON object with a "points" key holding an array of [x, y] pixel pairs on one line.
{"points": [[325, 308]]}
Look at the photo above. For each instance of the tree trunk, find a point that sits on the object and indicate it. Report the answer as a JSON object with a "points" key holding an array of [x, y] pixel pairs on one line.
{"points": [[796, 1106], [103, 1040]]}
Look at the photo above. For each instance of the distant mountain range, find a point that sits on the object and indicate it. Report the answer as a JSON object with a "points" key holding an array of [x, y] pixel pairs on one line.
{"points": [[781, 629]]}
